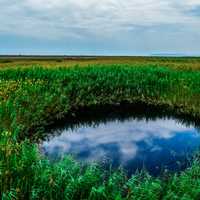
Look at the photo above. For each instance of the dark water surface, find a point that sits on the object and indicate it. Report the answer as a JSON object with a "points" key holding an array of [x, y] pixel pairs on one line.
{"points": [[157, 144]]}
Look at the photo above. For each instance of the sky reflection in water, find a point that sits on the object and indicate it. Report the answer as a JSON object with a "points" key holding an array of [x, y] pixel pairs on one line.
{"points": [[133, 144]]}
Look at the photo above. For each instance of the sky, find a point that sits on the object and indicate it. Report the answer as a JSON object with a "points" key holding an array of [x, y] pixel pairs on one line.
{"points": [[100, 27], [126, 139]]}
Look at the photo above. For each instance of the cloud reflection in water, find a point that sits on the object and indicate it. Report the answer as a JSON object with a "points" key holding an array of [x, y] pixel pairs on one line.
{"points": [[131, 143]]}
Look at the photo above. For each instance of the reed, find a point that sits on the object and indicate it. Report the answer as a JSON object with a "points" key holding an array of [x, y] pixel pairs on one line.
{"points": [[33, 98]]}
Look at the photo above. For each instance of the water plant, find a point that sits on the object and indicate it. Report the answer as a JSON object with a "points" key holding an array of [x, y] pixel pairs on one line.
{"points": [[33, 98]]}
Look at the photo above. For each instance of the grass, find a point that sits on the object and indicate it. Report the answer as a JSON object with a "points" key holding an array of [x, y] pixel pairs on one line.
{"points": [[192, 63], [33, 98]]}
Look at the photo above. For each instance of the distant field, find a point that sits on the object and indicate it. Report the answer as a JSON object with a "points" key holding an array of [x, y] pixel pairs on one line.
{"points": [[188, 63]]}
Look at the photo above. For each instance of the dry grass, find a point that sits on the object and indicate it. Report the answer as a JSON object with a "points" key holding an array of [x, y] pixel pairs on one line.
{"points": [[192, 63]]}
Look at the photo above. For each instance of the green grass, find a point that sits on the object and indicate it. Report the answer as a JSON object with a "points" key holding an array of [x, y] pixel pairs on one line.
{"points": [[33, 98]]}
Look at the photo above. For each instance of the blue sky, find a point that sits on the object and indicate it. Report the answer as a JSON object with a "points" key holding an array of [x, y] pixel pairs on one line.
{"points": [[100, 27]]}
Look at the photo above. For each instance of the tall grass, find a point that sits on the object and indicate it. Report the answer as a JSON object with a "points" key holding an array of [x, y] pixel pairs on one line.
{"points": [[31, 99], [25, 174], [35, 97]]}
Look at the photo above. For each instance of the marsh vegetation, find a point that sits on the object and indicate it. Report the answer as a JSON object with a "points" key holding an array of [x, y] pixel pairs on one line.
{"points": [[34, 98]]}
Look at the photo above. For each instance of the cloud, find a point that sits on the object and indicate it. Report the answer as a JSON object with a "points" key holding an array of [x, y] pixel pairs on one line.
{"points": [[126, 138], [194, 11], [94, 21]]}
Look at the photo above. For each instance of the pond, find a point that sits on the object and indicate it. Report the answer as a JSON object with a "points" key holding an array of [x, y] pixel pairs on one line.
{"points": [[157, 144]]}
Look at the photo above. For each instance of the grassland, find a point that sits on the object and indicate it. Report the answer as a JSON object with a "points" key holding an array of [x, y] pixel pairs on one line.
{"points": [[192, 63], [34, 96]]}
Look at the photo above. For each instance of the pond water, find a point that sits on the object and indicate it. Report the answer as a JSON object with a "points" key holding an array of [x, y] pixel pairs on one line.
{"points": [[157, 145]]}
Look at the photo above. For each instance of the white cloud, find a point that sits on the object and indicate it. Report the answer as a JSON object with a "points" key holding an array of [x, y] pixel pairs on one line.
{"points": [[126, 136], [115, 21]]}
